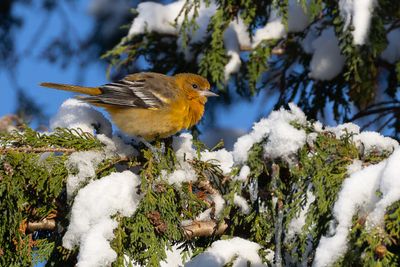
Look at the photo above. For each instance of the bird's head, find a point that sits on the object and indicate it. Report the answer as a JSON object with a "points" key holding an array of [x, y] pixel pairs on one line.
{"points": [[194, 85]]}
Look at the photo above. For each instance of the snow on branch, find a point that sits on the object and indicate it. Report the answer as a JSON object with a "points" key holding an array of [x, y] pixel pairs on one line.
{"points": [[271, 199], [358, 13], [236, 37], [91, 225]]}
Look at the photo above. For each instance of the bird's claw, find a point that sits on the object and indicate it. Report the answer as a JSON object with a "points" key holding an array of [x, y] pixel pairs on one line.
{"points": [[157, 152]]}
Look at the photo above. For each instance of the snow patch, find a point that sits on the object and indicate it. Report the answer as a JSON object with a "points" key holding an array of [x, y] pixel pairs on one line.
{"points": [[241, 202], [359, 195], [275, 29], [91, 225], [389, 186], [283, 139], [327, 61], [183, 175], [243, 174], [75, 114], [221, 157], [223, 251], [359, 13], [183, 146], [85, 163]]}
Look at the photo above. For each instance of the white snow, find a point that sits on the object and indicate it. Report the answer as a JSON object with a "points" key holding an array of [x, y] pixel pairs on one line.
{"points": [[219, 204], [275, 29], [373, 141], [184, 174], [359, 13], [203, 216], [174, 258], [223, 251], [298, 19], [327, 61], [355, 166], [183, 146], [241, 30], [116, 146], [282, 138], [232, 47], [389, 186], [74, 114], [91, 226], [82, 164], [359, 196], [392, 52], [85, 163], [164, 21], [156, 17], [343, 129], [235, 36], [357, 191], [367, 141], [243, 174], [221, 157], [241, 202], [95, 249]]}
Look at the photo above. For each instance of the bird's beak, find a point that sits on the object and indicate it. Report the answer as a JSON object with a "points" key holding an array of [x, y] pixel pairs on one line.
{"points": [[208, 93]]}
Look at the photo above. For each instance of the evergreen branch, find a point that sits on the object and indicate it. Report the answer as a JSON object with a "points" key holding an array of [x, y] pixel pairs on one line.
{"points": [[365, 113], [6, 150], [204, 228], [279, 220], [112, 163]]}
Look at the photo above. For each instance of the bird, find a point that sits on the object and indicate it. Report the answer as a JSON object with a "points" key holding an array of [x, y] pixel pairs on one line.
{"points": [[148, 105]]}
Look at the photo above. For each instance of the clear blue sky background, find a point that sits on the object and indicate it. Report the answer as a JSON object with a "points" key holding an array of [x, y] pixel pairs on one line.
{"points": [[33, 70]]}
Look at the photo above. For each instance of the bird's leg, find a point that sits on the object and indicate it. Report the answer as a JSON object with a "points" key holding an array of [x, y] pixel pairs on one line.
{"points": [[157, 152], [162, 147]]}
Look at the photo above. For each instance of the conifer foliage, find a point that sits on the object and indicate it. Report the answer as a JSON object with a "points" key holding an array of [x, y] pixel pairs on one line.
{"points": [[291, 192]]}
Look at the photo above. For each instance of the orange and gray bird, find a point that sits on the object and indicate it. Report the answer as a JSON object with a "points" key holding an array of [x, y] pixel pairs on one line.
{"points": [[149, 105]]}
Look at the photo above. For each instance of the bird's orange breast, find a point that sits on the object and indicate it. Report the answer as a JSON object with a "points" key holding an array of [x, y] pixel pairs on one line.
{"points": [[161, 123]]}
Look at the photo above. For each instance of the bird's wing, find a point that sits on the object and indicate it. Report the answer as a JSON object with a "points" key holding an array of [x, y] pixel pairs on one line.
{"points": [[141, 90]]}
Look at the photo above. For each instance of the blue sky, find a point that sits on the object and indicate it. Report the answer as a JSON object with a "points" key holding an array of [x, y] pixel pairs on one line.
{"points": [[32, 70]]}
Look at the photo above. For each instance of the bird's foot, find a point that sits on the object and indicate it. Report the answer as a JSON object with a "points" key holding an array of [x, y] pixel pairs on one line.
{"points": [[158, 152]]}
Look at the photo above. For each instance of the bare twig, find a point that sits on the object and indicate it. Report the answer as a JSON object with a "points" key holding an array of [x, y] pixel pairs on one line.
{"points": [[45, 224], [277, 50], [206, 186], [204, 228], [10, 122], [5, 150]]}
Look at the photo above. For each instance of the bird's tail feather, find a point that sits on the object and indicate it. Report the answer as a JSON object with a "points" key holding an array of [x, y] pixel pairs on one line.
{"points": [[73, 88]]}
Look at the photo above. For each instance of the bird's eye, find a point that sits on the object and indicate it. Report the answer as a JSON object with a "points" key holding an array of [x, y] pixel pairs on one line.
{"points": [[194, 86]]}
